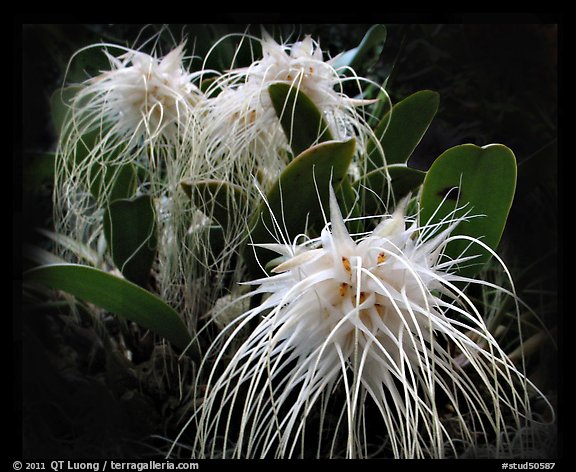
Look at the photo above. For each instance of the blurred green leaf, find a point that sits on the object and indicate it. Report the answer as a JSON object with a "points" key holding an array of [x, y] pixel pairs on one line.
{"points": [[222, 47], [215, 198], [381, 107], [90, 62], [402, 128], [114, 181], [60, 106], [479, 180], [349, 204], [38, 170], [115, 295], [298, 197], [80, 250], [401, 181], [130, 230], [301, 121], [61, 112], [366, 53], [60, 103]]}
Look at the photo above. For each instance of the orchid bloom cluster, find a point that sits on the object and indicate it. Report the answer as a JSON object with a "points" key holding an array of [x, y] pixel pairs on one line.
{"points": [[143, 95], [379, 317], [150, 112]]}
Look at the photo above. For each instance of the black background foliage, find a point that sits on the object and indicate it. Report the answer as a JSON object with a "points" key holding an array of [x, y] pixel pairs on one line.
{"points": [[498, 82]]}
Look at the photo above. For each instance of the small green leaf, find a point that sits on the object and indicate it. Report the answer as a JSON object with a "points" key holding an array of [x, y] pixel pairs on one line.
{"points": [[402, 128], [298, 197], [479, 180], [366, 53], [215, 198], [301, 121], [115, 295], [130, 230]]}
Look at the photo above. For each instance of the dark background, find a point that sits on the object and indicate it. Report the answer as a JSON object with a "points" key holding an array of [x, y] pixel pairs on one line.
{"points": [[498, 82]]}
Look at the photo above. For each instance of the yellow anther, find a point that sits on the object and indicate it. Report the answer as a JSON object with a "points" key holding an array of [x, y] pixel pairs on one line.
{"points": [[381, 258], [346, 264], [343, 289]]}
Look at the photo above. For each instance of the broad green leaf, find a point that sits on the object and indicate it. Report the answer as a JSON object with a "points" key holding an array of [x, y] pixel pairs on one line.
{"points": [[478, 180], [298, 197], [116, 295], [402, 128], [215, 198], [301, 121], [130, 230], [401, 181], [366, 53]]}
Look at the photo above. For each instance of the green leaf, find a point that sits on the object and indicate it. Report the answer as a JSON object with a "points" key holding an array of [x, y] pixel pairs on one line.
{"points": [[89, 62], [130, 230], [115, 295], [38, 170], [366, 53], [382, 106], [346, 196], [115, 181], [61, 116], [60, 106], [480, 180], [298, 197], [301, 121], [81, 250], [217, 49], [402, 128], [60, 103], [403, 180], [215, 198]]}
